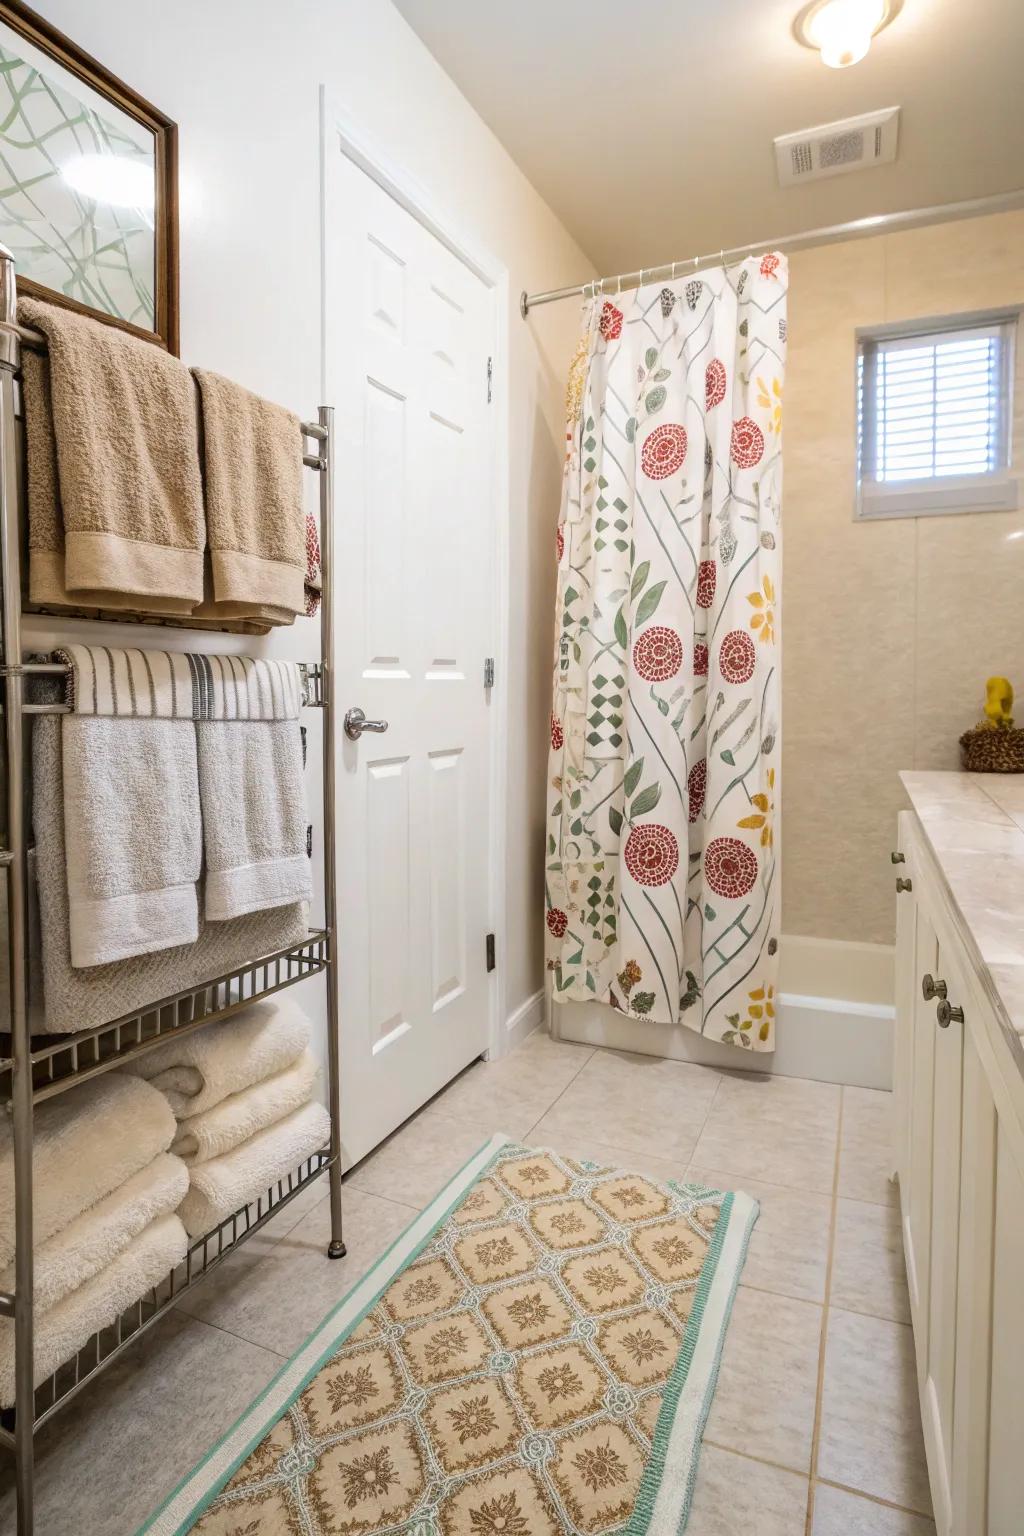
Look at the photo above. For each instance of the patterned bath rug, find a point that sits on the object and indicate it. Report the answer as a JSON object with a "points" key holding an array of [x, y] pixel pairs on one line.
{"points": [[534, 1356]]}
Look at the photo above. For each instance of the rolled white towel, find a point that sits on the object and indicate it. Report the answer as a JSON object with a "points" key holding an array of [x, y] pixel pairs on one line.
{"points": [[85, 1143], [223, 1185], [62, 1331], [89, 1243], [205, 1066], [240, 1116]]}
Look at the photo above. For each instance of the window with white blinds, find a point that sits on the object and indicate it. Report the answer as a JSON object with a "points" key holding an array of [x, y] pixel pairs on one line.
{"points": [[934, 418]]}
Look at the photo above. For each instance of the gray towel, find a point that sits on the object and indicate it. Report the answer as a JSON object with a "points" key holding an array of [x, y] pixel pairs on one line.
{"points": [[131, 803], [251, 786], [83, 999]]}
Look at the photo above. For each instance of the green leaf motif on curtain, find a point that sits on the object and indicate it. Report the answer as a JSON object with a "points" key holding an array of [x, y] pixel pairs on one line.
{"points": [[630, 429], [640, 575], [649, 602], [656, 398], [615, 820], [632, 776], [650, 358], [645, 801], [621, 633], [642, 1002]]}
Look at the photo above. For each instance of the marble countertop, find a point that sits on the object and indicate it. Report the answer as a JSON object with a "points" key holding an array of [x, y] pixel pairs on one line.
{"points": [[974, 823]]}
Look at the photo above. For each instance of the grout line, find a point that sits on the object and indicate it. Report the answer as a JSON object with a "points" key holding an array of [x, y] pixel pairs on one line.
{"points": [[819, 1392], [559, 1096], [762, 1461], [873, 1498]]}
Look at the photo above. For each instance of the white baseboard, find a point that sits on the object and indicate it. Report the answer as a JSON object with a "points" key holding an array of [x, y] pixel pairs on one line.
{"points": [[524, 1020], [830, 1039]]}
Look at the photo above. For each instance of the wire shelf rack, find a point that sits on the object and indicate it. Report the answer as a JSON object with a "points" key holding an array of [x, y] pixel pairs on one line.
{"points": [[203, 1256], [59, 1062]]}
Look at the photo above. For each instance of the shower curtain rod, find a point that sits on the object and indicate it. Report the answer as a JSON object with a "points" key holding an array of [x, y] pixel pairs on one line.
{"points": [[857, 227]]}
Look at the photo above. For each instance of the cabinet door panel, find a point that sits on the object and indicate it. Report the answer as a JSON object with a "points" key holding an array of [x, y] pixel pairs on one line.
{"points": [[916, 1198], [1006, 1464], [907, 988]]}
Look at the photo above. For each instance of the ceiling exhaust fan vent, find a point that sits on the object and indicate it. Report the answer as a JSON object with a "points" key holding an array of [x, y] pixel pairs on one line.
{"points": [[854, 144]]}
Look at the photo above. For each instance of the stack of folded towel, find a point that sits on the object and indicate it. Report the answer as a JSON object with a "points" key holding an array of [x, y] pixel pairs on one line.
{"points": [[241, 1092], [176, 766], [118, 518], [105, 1192]]}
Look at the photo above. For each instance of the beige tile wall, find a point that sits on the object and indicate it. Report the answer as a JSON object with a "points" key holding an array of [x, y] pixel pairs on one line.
{"points": [[890, 628]]}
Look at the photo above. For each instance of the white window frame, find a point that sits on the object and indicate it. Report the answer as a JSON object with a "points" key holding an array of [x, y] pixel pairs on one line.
{"points": [[990, 491]]}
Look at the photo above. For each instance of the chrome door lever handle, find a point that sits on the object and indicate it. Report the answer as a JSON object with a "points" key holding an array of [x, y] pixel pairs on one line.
{"points": [[356, 723]]}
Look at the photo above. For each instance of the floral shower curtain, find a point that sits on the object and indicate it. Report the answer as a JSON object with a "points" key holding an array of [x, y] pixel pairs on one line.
{"points": [[662, 883]]}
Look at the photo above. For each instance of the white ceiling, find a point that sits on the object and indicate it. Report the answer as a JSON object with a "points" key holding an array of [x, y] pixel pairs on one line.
{"points": [[648, 124]]}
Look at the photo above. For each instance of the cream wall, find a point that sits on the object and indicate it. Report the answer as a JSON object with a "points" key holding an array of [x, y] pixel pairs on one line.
{"points": [[890, 627], [241, 78]]}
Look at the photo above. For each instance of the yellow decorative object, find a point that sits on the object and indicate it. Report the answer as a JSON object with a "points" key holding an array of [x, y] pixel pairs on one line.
{"points": [[998, 703]]}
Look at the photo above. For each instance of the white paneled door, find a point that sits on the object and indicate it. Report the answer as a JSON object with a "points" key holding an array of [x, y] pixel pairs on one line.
{"points": [[409, 330]]}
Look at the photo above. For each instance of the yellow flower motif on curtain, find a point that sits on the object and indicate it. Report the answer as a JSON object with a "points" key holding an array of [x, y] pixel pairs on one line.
{"points": [[763, 618], [760, 1011], [575, 382], [761, 816], [771, 401]]}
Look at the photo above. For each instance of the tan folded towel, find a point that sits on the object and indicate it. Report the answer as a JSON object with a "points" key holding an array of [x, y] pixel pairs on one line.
{"points": [[256, 523], [124, 423]]}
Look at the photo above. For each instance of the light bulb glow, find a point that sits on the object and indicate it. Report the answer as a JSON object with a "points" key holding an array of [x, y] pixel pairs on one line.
{"points": [[842, 30], [111, 179]]}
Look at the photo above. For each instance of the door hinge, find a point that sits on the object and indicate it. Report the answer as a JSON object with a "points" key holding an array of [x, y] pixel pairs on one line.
{"points": [[490, 378], [491, 962], [488, 671]]}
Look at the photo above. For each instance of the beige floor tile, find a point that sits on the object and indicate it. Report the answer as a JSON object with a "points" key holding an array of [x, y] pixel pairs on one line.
{"points": [[788, 1250], [865, 1158], [106, 1463], [870, 1436], [734, 1495], [280, 1299], [778, 1129], [420, 1158], [643, 1103], [764, 1401], [868, 1272], [513, 1093], [837, 1513]]}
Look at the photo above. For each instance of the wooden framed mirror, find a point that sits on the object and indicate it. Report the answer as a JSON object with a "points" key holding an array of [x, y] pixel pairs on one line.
{"points": [[88, 204]]}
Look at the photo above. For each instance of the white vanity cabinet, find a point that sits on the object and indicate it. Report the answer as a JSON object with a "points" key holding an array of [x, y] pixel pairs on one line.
{"points": [[959, 1140]]}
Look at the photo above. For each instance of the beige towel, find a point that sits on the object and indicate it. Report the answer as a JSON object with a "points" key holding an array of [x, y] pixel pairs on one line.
{"points": [[127, 459], [241, 1115], [256, 524], [223, 1185]]}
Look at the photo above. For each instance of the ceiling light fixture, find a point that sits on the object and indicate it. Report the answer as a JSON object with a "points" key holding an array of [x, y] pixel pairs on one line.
{"points": [[841, 30], [111, 179]]}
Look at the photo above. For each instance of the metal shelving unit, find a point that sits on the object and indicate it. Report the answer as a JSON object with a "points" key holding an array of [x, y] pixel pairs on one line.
{"points": [[35, 1069]]}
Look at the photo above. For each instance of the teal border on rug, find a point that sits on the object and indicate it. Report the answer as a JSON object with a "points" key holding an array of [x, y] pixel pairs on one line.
{"points": [[204, 1503], [640, 1520], [643, 1509]]}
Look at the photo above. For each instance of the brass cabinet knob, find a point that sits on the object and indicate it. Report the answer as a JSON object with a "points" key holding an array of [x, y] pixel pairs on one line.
{"points": [[947, 1015], [931, 988], [904, 885], [897, 857]]}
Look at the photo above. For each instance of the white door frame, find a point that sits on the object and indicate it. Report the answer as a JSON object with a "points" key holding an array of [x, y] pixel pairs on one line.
{"points": [[395, 180]]}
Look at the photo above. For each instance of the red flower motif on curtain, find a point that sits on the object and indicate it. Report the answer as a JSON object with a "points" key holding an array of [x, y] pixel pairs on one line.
{"points": [[652, 854], [663, 451], [730, 867], [747, 447], [769, 264], [560, 543], [714, 383], [610, 322], [557, 922], [736, 657], [700, 659], [707, 578], [696, 785], [557, 737], [658, 654]]}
